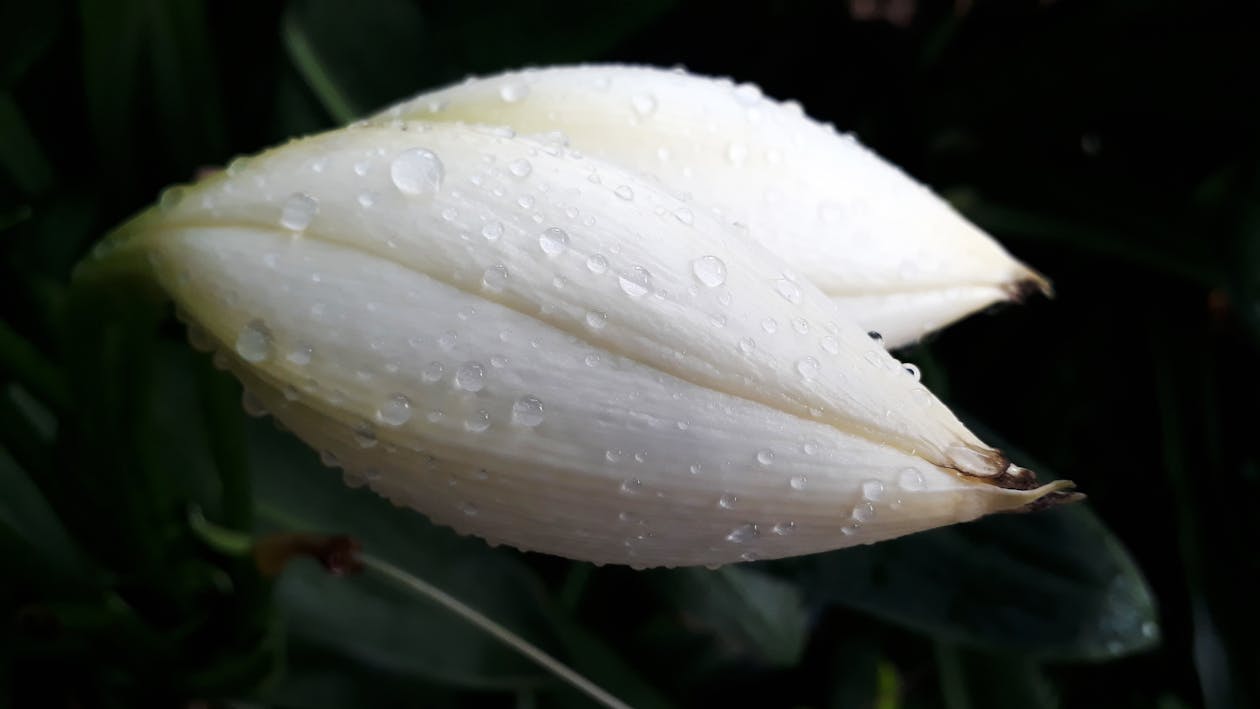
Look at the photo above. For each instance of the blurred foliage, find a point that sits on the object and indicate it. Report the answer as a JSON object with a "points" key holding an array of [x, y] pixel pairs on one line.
{"points": [[1112, 143]]}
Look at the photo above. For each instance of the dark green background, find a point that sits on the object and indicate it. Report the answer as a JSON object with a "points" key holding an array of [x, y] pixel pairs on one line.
{"points": [[1114, 145]]}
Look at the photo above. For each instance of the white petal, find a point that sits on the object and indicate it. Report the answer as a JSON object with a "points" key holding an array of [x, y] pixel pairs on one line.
{"points": [[845, 219], [340, 268]]}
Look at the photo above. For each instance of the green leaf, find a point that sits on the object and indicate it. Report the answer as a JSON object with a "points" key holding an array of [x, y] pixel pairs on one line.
{"points": [[750, 613], [1054, 584], [374, 623], [28, 523]]}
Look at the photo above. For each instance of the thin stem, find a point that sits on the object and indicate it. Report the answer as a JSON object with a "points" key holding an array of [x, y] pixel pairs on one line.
{"points": [[495, 630]]}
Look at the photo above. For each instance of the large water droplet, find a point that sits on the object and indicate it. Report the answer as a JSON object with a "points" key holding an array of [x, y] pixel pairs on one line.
{"points": [[478, 421], [492, 230], [298, 211], [912, 370], [770, 325], [596, 320], [807, 367], [765, 456], [495, 278], [395, 411], [553, 241], [709, 270], [417, 171], [624, 192], [253, 343], [470, 376], [432, 372], [910, 480], [743, 533], [863, 512], [747, 345], [520, 167], [635, 281], [727, 501], [789, 290], [527, 411], [797, 482], [873, 490]]}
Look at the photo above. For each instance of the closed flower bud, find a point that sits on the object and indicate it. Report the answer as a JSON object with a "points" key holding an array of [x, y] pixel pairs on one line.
{"points": [[889, 252], [531, 345]]}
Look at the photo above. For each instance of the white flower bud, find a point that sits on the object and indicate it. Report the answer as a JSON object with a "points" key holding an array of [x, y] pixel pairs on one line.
{"points": [[891, 254], [529, 345]]}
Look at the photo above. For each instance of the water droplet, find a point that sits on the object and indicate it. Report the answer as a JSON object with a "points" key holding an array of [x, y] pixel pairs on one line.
{"points": [[736, 153], [829, 344], [432, 372], [495, 278], [624, 192], [253, 343], [747, 345], [912, 370], [591, 360], [770, 325], [597, 263], [468, 509], [644, 104], [695, 468], [527, 411], [367, 199], [807, 367], [361, 168], [635, 281], [526, 201], [809, 447], [328, 459], [849, 530], [743, 533], [520, 167], [298, 211], [727, 501], [797, 482], [684, 215], [478, 421], [252, 404], [447, 340], [470, 376], [492, 231], [364, 434], [910, 480], [513, 91], [878, 338], [395, 411], [417, 171], [709, 270], [631, 486], [553, 241], [765, 456], [864, 512], [801, 325], [301, 356], [873, 490], [596, 320], [789, 290], [872, 358], [613, 455], [783, 528]]}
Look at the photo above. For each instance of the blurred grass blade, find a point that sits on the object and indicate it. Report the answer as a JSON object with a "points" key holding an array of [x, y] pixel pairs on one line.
{"points": [[495, 630], [972, 680], [21, 361], [308, 64], [48, 556], [20, 153]]}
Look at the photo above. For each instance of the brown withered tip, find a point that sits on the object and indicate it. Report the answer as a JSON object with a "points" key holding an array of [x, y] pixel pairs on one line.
{"points": [[1051, 499], [1025, 288], [1014, 478], [339, 554]]}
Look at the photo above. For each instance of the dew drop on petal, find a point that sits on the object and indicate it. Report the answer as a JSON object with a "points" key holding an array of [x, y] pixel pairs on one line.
{"points": [[478, 421], [395, 411], [417, 171], [863, 512], [495, 278], [783, 529], [765, 456], [253, 343], [527, 411], [635, 281], [432, 372], [644, 104], [873, 490], [727, 501], [912, 370], [301, 356], [797, 482], [298, 211], [807, 367], [470, 376], [743, 533], [364, 434], [709, 270], [553, 241], [789, 290], [910, 480], [624, 192], [520, 167], [596, 320], [492, 230], [513, 91], [597, 263]]}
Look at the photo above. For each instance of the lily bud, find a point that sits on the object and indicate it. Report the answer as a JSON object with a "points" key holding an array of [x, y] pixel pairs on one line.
{"points": [[553, 352], [890, 253]]}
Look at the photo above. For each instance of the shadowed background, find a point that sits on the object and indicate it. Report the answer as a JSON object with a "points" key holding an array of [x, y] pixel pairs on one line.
{"points": [[1111, 144]]}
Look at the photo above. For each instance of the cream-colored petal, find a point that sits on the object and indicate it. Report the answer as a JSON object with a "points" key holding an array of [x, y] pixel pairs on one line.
{"points": [[494, 422], [837, 213]]}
